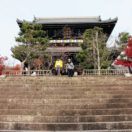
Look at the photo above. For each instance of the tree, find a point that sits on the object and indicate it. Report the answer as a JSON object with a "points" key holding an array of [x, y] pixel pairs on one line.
{"points": [[94, 54], [125, 58], [119, 44], [123, 37], [32, 41]]}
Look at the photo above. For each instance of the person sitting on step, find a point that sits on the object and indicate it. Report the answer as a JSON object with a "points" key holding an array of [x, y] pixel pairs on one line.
{"points": [[58, 66], [70, 68]]}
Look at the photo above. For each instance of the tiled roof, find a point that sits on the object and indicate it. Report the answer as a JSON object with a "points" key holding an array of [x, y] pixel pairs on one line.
{"points": [[71, 20]]}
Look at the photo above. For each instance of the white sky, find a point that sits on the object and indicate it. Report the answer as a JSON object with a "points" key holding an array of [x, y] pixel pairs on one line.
{"points": [[10, 10]]}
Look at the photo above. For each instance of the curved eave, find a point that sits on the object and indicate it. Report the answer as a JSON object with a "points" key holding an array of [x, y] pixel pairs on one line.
{"points": [[110, 21], [19, 22]]}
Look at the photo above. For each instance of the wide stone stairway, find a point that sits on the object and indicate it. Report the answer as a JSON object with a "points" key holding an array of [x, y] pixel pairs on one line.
{"points": [[95, 104]]}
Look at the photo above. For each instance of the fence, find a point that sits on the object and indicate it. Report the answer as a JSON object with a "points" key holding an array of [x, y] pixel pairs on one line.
{"points": [[87, 72], [27, 73]]}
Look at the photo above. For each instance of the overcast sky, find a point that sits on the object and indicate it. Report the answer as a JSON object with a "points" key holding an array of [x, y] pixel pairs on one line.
{"points": [[10, 10]]}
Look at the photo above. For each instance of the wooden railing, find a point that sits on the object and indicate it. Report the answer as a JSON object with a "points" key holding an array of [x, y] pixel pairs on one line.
{"points": [[87, 72]]}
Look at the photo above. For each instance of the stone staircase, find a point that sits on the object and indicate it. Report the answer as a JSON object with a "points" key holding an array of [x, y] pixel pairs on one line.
{"points": [[95, 104]]}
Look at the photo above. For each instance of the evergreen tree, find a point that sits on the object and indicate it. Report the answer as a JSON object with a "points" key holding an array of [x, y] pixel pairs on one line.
{"points": [[94, 54], [32, 42]]}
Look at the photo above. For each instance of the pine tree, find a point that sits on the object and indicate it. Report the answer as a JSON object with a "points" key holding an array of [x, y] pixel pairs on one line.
{"points": [[32, 43]]}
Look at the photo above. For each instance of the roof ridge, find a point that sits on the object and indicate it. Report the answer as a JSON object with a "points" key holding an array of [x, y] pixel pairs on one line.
{"points": [[68, 17]]}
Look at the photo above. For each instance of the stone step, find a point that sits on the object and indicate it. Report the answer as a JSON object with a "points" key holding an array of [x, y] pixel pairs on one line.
{"points": [[32, 95], [65, 101], [65, 84], [63, 92], [90, 106], [66, 126], [64, 112], [88, 92], [65, 119], [125, 130], [94, 103], [65, 106], [60, 89], [66, 87], [62, 103], [59, 84]]}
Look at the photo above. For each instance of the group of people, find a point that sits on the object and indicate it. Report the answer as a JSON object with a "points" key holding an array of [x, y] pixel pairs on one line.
{"points": [[69, 67]]}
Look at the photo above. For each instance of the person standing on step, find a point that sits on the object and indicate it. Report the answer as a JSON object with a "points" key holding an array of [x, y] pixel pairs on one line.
{"points": [[70, 68]]}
